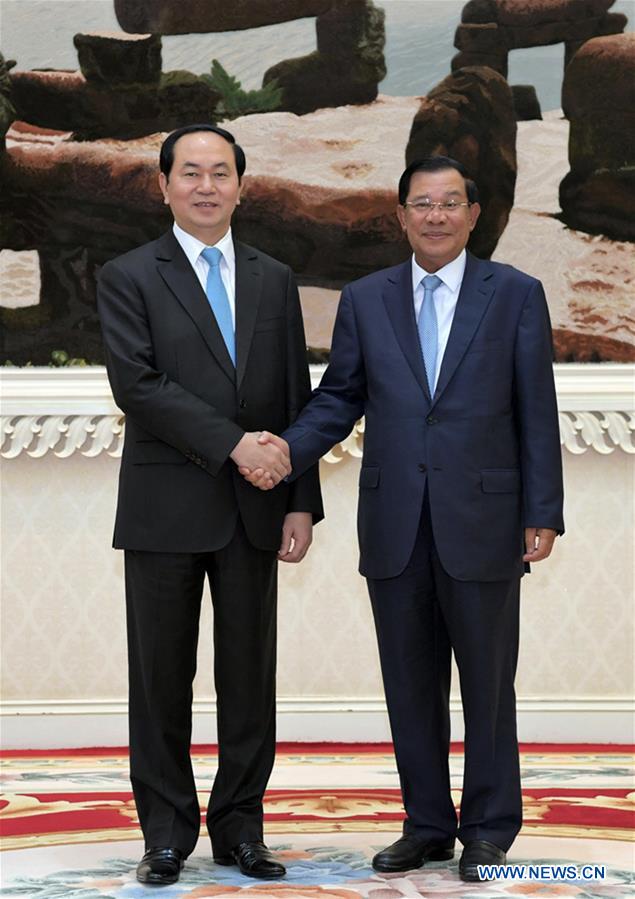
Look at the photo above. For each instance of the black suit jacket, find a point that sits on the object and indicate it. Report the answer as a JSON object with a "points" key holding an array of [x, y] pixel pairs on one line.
{"points": [[187, 407]]}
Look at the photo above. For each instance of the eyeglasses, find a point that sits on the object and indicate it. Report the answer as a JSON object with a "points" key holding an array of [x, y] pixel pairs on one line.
{"points": [[425, 206]]}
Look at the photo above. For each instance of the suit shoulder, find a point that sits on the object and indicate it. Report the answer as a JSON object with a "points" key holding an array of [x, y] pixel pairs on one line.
{"points": [[269, 262], [134, 259], [376, 280], [507, 272]]}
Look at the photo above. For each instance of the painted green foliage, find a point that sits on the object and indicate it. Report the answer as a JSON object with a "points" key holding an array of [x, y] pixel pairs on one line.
{"points": [[234, 100]]}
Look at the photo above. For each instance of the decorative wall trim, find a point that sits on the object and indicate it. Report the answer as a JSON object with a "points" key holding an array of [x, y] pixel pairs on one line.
{"points": [[64, 434], [77, 723], [72, 410], [602, 431]]}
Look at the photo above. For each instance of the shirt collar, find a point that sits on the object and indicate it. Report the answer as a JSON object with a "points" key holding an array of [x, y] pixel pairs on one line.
{"points": [[193, 247], [451, 274]]}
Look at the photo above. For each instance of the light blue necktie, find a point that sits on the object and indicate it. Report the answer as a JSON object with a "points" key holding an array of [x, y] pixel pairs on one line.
{"points": [[428, 329], [218, 299]]}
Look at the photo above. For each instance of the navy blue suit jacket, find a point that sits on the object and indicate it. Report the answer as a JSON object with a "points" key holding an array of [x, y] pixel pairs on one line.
{"points": [[487, 443]]}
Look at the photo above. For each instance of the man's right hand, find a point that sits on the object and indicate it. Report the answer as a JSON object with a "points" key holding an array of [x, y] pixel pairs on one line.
{"points": [[260, 477], [263, 453]]}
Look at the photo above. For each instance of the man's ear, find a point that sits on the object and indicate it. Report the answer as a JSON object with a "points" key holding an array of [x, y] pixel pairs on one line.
{"points": [[475, 211], [401, 215], [163, 184]]}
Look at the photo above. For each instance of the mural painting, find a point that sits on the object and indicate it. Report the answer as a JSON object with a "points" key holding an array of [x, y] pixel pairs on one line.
{"points": [[327, 131]]}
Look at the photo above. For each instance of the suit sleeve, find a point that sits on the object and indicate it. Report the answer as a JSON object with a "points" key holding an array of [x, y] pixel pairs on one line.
{"points": [[159, 405], [339, 400], [537, 416], [304, 492]]}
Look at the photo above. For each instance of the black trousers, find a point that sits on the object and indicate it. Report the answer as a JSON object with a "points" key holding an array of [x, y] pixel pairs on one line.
{"points": [[421, 616], [163, 598]]}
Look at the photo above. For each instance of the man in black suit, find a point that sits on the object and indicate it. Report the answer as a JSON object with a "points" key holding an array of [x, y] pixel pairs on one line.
{"points": [[449, 359], [204, 348]]}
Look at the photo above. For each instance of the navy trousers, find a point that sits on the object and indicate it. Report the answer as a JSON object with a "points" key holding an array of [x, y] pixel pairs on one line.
{"points": [[421, 617]]}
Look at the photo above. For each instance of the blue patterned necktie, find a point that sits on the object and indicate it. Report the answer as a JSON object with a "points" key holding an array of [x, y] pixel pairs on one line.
{"points": [[218, 299], [428, 329]]}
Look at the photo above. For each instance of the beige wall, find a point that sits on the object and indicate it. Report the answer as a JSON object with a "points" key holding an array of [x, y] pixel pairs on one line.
{"points": [[63, 609]]}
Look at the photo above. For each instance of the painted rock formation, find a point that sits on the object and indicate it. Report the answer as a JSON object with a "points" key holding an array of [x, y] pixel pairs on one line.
{"points": [[7, 109], [470, 117], [7, 117], [331, 221], [78, 205], [489, 29], [347, 65], [526, 103], [111, 59], [202, 16], [598, 98], [67, 101]]}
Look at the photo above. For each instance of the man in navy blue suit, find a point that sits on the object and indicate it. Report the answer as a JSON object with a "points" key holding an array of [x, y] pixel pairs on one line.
{"points": [[449, 358]]}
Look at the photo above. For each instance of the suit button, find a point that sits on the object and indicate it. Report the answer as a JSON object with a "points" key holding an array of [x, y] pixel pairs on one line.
{"points": [[243, 404], [422, 467], [432, 421]]}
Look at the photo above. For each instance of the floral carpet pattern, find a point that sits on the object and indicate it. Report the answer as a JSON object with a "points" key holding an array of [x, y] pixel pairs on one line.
{"points": [[70, 830]]}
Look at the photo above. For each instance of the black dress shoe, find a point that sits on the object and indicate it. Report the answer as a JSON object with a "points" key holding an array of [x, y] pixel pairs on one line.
{"points": [[411, 852], [254, 860], [160, 866], [479, 852]]}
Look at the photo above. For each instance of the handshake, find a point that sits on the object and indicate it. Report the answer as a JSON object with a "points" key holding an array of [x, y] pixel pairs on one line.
{"points": [[262, 458]]}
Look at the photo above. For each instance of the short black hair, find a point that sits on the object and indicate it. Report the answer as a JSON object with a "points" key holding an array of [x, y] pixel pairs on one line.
{"points": [[436, 164], [166, 155]]}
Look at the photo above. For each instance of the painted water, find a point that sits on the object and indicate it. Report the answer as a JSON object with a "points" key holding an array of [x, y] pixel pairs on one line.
{"points": [[419, 44]]}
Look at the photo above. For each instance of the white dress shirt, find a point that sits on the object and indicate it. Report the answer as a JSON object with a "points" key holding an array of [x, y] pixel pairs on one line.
{"points": [[193, 247], [445, 297]]}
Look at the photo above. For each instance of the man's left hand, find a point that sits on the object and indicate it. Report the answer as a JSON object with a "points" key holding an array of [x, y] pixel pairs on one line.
{"points": [[538, 543], [297, 534]]}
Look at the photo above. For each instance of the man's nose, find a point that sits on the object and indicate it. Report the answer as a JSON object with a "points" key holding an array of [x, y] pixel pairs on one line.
{"points": [[435, 212], [206, 184]]}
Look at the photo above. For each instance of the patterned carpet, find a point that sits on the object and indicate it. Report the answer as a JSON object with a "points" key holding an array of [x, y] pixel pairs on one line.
{"points": [[70, 831]]}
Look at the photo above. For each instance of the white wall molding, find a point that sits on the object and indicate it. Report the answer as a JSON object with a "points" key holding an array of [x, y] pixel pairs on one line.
{"points": [[602, 431], [63, 434], [82, 723], [72, 410], [41, 391]]}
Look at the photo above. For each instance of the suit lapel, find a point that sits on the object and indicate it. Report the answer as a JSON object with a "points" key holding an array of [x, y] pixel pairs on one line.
{"points": [[474, 297], [176, 271], [399, 302], [248, 296]]}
